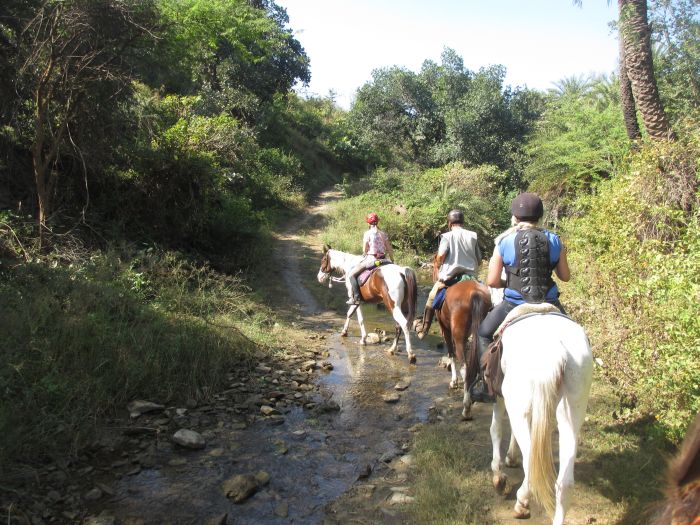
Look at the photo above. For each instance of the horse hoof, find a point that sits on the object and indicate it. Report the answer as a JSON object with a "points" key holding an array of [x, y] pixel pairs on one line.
{"points": [[521, 512], [499, 482], [343, 334], [467, 416], [363, 343], [454, 384], [412, 359]]}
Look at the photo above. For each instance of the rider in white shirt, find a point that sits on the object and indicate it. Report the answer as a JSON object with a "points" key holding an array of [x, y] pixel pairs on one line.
{"points": [[459, 257]]}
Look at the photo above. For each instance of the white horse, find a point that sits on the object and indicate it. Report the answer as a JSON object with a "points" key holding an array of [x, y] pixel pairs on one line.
{"points": [[548, 367], [394, 285]]}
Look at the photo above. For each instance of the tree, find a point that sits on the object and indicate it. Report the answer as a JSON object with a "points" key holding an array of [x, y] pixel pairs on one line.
{"points": [[636, 37], [73, 55]]}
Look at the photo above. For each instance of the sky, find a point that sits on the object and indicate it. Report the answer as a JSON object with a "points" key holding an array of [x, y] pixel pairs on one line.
{"points": [[538, 41]]}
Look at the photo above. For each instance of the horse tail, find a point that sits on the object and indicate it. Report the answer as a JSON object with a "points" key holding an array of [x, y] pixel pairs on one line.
{"points": [[479, 308], [411, 294], [545, 397]]}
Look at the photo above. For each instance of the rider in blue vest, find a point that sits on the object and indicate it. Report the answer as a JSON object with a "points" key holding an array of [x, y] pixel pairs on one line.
{"points": [[528, 254]]}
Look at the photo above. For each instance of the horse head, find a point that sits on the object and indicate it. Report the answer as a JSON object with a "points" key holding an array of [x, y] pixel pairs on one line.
{"points": [[325, 270]]}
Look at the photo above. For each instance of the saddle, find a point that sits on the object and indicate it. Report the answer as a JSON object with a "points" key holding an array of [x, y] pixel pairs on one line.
{"points": [[371, 268], [440, 295], [491, 360]]}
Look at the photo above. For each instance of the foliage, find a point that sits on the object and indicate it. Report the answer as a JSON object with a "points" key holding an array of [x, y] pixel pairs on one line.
{"points": [[635, 245], [227, 45], [676, 31], [577, 143], [445, 113], [413, 207]]}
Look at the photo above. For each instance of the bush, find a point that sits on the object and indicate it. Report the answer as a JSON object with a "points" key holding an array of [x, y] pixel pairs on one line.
{"points": [[634, 252]]}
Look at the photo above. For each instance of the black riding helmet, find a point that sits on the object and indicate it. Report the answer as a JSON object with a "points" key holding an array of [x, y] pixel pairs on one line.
{"points": [[455, 217], [527, 207]]}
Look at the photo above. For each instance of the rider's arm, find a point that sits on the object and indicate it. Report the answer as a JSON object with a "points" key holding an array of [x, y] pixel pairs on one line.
{"points": [[493, 278], [562, 268]]}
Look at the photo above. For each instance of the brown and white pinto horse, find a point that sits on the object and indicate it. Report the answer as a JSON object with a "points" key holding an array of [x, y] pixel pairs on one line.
{"points": [[682, 504], [395, 286], [465, 306]]}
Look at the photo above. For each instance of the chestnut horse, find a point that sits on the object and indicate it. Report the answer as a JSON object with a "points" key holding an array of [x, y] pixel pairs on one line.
{"points": [[682, 504], [465, 306], [395, 286]]}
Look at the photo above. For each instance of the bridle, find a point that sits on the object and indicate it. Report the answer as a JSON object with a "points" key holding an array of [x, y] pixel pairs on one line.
{"points": [[328, 270]]}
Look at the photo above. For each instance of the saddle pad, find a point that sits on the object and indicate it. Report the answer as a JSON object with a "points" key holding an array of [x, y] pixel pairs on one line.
{"points": [[526, 309], [362, 278], [439, 298]]}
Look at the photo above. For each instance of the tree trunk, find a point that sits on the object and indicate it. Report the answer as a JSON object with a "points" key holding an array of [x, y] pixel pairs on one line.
{"points": [[629, 110], [636, 35]]}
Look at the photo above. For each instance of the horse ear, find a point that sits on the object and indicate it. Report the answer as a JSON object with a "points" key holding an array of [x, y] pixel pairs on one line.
{"points": [[326, 247]]}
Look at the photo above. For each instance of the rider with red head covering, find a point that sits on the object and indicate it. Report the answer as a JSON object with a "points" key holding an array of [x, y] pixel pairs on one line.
{"points": [[375, 246], [528, 254]]}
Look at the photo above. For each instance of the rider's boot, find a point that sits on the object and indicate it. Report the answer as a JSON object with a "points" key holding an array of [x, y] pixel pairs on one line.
{"points": [[356, 296], [479, 392], [423, 327]]}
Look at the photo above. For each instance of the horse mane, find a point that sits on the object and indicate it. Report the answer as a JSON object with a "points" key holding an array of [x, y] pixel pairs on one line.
{"points": [[682, 504]]}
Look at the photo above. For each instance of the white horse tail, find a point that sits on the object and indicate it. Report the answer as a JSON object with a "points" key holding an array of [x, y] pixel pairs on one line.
{"points": [[411, 293], [545, 396]]}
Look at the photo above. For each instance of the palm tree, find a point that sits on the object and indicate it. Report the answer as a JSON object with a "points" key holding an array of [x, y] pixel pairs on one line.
{"points": [[636, 46], [636, 62]]}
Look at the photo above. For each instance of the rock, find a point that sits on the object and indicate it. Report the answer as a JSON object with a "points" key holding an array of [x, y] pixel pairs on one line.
{"points": [[403, 384], [365, 472], [217, 520], [189, 439], [391, 397], [328, 406], [399, 498], [308, 365], [299, 434], [445, 362], [282, 510], [327, 366], [102, 519], [240, 487], [177, 462], [93, 494], [268, 410], [263, 368], [373, 338], [138, 407], [263, 478], [181, 411], [105, 489]]}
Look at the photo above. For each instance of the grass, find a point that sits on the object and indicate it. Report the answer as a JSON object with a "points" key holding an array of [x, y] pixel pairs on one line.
{"points": [[84, 336], [618, 471]]}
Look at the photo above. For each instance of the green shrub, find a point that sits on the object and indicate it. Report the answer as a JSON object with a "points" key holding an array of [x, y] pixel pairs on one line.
{"points": [[634, 252]]}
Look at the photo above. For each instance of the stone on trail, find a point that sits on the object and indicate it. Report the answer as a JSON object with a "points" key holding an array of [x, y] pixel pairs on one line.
{"points": [[221, 519], [102, 519], [402, 384], [267, 410], [138, 407], [373, 338], [263, 478], [189, 439], [93, 494], [391, 397], [282, 510], [399, 498], [445, 362], [240, 487]]}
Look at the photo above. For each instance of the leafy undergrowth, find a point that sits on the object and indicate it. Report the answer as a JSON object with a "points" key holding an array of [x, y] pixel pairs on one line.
{"points": [[618, 471], [85, 332], [634, 254]]}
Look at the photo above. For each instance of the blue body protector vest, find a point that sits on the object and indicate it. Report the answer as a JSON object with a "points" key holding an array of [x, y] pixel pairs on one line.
{"points": [[531, 275]]}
